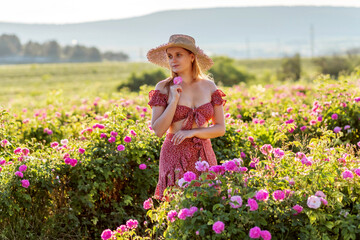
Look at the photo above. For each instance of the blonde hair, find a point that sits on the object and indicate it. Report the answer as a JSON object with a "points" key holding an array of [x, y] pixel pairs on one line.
{"points": [[197, 73]]}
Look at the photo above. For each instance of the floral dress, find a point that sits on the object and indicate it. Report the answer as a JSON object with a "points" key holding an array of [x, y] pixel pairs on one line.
{"points": [[175, 160]]}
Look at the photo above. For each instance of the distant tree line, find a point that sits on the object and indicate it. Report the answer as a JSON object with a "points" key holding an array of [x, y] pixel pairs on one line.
{"points": [[334, 65], [51, 51]]}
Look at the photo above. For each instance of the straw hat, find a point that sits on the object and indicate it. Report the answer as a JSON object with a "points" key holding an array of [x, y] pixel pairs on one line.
{"points": [[158, 55]]}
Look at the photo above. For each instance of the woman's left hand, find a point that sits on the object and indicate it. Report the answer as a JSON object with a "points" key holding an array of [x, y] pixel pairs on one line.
{"points": [[181, 136]]}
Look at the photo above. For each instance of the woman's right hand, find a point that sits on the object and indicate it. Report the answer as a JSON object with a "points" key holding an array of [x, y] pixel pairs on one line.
{"points": [[175, 91]]}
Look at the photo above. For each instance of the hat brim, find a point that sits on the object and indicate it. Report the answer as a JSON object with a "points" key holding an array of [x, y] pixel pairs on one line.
{"points": [[158, 56]]}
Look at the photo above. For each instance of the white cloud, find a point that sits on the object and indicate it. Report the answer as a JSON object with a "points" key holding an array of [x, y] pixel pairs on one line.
{"points": [[70, 11]]}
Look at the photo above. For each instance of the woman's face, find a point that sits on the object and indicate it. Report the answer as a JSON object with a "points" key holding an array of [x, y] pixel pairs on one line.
{"points": [[180, 60]]}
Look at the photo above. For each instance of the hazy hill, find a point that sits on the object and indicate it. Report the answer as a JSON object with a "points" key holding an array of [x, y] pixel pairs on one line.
{"points": [[240, 32]]}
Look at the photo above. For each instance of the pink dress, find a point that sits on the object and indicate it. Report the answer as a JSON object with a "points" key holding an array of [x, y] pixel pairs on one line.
{"points": [[175, 160]]}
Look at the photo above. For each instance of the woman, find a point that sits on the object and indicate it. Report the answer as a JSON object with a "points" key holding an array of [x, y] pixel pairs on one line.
{"points": [[183, 108]]}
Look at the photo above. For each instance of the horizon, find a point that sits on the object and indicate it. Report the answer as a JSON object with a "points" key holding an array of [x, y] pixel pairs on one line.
{"points": [[95, 13]]}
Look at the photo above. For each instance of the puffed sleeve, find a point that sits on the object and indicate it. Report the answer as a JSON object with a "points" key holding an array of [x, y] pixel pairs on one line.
{"points": [[217, 98], [156, 98]]}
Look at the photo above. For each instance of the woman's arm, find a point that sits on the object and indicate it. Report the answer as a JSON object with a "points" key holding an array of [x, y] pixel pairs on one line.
{"points": [[217, 130], [162, 117]]}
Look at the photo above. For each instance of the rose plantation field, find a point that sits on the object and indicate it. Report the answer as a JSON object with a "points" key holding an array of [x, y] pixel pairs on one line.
{"points": [[80, 161]]}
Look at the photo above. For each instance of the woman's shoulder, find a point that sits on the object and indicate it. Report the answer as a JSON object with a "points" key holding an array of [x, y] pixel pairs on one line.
{"points": [[161, 86], [209, 84]]}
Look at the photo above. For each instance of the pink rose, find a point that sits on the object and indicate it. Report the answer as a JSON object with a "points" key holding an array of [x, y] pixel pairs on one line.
{"points": [[347, 174], [252, 204], [313, 202], [106, 234], [235, 201], [25, 183], [189, 176], [266, 235], [218, 227], [22, 168], [142, 166], [298, 209], [148, 204], [121, 148], [127, 139], [278, 195], [132, 224], [262, 195], [177, 80], [255, 232]]}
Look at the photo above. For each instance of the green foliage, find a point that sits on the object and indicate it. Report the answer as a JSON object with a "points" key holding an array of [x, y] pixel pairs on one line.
{"points": [[227, 73], [106, 187], [290, 68], [135, 81], [332, 65]]}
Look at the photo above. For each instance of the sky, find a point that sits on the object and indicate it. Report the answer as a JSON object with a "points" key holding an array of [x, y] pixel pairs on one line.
{"points": [[76, 11]]}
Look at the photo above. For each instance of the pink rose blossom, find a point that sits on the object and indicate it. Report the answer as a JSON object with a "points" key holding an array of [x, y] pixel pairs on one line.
{"points": [[121, 148], [172, 215], [132, 224], [103, 135], [183, 213], [106, 234], [19, 174], [347, 174], [278, 153], [148, 204], [337, 129], [25, 183], [127, 139], [177, 80], [255, 232], [111, 139], [142, 166], [54, 144], [313, 202], [278, 195], [266, 149], [113, 134], [218, 227], [298, 209], [252, 204], [303, 128], [324, 201], [17, 150], [334, 116], [73, 162], [357, 171], [266, 235], [81, 150], [312, 122], [121, 229], [201, 166], [64, 141], [22, 168], [262, 195], [235, 201], [320, 194], [132, 132], [189, 176]]}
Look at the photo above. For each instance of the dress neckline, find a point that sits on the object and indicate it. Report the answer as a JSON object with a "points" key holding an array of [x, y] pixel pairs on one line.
{"points": [[179, 105]]}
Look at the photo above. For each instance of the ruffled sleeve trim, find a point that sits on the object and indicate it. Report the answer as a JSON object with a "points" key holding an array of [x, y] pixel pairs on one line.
{"points": [[217, 97], [157, 98]]}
